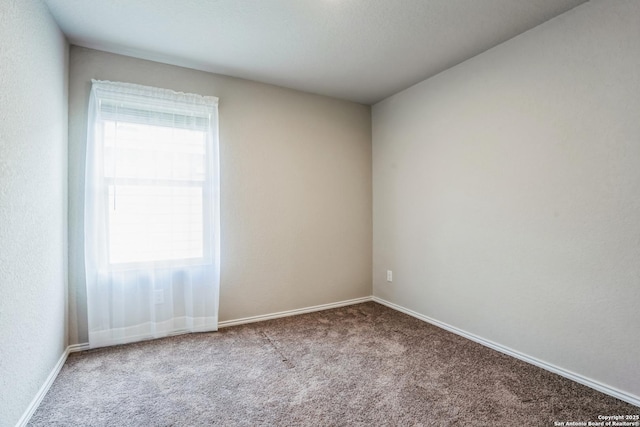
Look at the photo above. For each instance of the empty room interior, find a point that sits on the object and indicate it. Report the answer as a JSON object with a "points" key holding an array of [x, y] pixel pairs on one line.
{"points": [[319, 212]]}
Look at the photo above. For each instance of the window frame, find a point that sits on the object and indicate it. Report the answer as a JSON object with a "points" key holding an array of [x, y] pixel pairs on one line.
{"points": [[206, 123]]}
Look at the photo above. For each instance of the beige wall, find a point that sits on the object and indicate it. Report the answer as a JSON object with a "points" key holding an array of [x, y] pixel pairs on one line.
{"points": [[33, 202], [507, 194], [295, 188]]}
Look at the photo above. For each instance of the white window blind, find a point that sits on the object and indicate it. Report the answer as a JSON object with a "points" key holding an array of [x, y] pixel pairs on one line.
{"points": [[156, 180]]}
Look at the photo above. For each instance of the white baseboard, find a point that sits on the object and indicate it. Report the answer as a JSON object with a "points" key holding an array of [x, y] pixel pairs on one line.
{"points": [[295, 312], [611, 391], [74, 348], [85, 346], [31, 409], [26, 416]]}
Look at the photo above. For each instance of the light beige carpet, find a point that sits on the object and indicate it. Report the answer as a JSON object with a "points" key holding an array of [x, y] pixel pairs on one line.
{"points": [[362, 365]]}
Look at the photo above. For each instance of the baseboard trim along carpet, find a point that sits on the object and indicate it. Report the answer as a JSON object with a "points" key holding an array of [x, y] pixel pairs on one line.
{"points": [[78, 347], [263, 317], [618, 394], [294, 312], [626, 397], [26, 416]]}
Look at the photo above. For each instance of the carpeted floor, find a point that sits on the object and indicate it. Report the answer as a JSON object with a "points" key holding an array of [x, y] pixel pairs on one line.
{"points": [[362, 365]]}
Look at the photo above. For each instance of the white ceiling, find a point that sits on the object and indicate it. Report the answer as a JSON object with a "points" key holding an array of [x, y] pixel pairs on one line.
{"points": [[359, 50]]}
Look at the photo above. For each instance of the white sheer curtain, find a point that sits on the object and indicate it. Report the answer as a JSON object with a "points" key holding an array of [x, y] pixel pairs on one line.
{"points": [[152, 228]]}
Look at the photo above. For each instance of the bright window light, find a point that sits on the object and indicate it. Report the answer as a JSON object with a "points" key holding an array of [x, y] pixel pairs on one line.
{"points": [[155, 177]]}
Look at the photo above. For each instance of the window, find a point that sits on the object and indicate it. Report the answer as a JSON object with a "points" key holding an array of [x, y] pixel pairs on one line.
{"points": [[156, 182], [151, 218], [156, 172]]}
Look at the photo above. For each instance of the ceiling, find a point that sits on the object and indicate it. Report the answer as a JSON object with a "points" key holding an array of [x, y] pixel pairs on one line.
{"points": [[359, 50]]}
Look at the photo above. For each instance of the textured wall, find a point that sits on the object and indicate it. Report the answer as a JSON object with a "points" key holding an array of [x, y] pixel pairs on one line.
{"points": [[296, 188], [33, 202], [507, 194]]}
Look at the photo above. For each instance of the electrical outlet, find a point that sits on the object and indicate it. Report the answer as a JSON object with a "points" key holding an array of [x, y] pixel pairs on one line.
{"points": [[159, 296], [389, 276]]}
